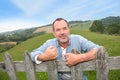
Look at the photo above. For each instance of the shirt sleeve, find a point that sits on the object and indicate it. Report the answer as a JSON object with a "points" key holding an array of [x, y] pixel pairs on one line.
{"points": [[86, 44], [38, 51], [41, 49], [37, 61]]}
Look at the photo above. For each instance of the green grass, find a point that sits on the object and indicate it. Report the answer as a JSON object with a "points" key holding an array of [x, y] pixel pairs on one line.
{"points": [[23, 76], [110, 42], [29, 45]]}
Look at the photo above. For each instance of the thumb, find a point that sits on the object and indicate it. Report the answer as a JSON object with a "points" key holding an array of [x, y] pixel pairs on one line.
{"points": [[66, 55], [51, 47]]}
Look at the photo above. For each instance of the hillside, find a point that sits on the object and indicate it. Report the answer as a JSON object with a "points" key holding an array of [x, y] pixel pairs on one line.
{"points": [[105, 40], [78, 27], [47, 29], [110, 42], [82, 25], [24, 34], [111, 19]]}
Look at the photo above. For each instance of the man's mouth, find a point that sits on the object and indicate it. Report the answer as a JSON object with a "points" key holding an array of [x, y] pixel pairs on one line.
{"points": [[63, 37]]}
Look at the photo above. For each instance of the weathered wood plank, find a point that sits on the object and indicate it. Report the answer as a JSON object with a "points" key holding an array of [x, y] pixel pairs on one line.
{"points": [[10, 67], [113, 64], [102, 64], [29, 67], [76, 71], [52, 70]]}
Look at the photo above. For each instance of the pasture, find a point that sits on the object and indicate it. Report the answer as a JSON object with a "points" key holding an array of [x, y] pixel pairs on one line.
{"points": [[110, 42]]}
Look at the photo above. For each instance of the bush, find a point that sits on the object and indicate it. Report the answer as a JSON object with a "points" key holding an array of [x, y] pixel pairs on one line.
{"points": [[97, 26], [6, 47], [113, 29]]}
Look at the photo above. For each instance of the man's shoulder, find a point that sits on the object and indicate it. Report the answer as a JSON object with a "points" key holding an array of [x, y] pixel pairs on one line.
{"points": [[51, 40], [75, 36]]}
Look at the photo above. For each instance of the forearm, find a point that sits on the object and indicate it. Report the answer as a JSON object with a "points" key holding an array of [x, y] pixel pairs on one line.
{"points": [[50, 54], [91, 54], [42, 57], [88, 56]]}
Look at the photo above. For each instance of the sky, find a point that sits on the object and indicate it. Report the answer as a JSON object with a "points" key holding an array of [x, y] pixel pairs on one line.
{"points": [[22, 14]]}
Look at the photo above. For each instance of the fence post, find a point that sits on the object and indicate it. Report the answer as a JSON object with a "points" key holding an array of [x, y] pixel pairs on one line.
{"points": [[10, 67], [76, 71], [52, 70], [29, 67], [102, 64]]}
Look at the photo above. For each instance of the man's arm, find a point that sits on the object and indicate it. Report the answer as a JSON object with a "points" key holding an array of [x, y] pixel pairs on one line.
{"points": [[50, 54], [73, 59]]}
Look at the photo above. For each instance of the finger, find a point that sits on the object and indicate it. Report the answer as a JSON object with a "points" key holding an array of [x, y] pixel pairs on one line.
{"points": [[66, 63], [55, 53], [53, 48], [50, 47], [66, 55], [55, 57]]}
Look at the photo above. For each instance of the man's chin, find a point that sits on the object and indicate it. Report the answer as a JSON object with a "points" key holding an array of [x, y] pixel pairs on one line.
{"points": [[64, 41]]}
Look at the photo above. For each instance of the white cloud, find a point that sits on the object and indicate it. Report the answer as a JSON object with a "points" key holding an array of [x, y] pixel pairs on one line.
{"points": [[69, 10], [47, 11], [10, 25], [32, 7], [83, 9], [97, 10]]}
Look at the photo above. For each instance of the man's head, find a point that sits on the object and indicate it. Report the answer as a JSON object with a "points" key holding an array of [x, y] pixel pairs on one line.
{"points": [[61, 30]]}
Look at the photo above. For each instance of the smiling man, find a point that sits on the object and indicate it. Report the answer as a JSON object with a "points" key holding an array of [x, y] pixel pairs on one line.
{"points": [[60, 47]]}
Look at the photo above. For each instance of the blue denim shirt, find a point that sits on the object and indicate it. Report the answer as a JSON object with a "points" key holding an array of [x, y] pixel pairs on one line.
{"points": [[75, 42]]}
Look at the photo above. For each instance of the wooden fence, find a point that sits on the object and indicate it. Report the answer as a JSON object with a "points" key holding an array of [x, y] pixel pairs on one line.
{"points": [[102, 64]]}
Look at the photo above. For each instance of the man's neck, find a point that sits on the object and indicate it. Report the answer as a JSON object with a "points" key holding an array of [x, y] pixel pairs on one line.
{"points": [[64, 45]]}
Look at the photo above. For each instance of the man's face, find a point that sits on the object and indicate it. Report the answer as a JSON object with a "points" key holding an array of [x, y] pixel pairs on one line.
{"points": [[61, 31]]}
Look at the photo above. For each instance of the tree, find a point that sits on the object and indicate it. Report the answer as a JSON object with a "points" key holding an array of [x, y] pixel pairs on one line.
{"points": [[113, 28], [97, 26]]}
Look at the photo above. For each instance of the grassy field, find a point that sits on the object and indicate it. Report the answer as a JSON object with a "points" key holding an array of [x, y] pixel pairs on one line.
{"points": [[110, 42]]}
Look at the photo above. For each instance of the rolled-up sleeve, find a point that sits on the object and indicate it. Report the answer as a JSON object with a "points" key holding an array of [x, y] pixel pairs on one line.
{"points": [[41, 49], [36, 61]]}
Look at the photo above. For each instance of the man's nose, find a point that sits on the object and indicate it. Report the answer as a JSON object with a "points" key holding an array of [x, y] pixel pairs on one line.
{"points": [[62, 31]]}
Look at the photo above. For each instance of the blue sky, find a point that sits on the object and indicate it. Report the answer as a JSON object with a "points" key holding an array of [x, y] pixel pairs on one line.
{"points": [[20, 14]]}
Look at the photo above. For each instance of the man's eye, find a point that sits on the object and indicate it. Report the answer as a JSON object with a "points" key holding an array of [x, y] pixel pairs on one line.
{"points": [[58, 30], [65, 28]]}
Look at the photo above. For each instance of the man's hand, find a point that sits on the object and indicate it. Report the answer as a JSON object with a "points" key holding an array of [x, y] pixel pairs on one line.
{"points": [[50, 54], [72, 59]]}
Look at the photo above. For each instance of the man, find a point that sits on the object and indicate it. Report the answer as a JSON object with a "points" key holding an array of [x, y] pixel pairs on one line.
{"points": [[60, 48]]}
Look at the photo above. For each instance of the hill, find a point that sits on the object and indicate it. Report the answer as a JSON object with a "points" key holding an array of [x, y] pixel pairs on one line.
{"points": [[46, 29], [22, 35], [107, 41], [77, 27], [110, 42], [111, 19], [81, 24]]}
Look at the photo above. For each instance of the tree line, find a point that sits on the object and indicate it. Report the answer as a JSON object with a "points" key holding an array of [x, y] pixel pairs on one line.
{"points": [[109, 25], [17, 36]]}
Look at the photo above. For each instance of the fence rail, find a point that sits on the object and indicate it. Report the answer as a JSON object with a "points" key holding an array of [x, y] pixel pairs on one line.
{"points": [[102, 64]]}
